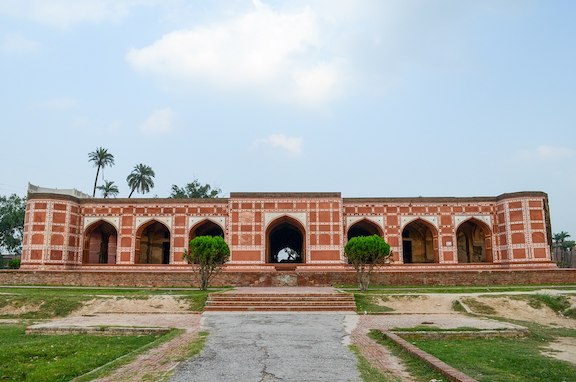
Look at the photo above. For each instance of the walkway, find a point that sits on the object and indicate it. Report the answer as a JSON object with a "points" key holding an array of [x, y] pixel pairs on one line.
{"points": [[272, 347]]}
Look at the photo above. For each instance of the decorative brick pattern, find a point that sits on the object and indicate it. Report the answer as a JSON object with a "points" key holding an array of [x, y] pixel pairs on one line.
{"points": [[56, 227]]}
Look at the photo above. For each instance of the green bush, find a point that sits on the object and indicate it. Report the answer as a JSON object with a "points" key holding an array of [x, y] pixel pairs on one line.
{"points": [[14, 264], [365, 252], [209, 253]]}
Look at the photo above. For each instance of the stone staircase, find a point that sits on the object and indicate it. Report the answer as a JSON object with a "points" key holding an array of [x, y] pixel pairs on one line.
{"points": [[279, 301]]}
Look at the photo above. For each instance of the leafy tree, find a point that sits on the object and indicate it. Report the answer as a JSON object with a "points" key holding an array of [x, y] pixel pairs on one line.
{"points": [[562, 248], [140, 179], [12, 211], [108, 189], [194, 190], [209, 253], [101, 158], [366, 252]]}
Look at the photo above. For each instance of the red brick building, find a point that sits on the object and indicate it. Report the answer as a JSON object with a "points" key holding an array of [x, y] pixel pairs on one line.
{"points": [[67, 230]]}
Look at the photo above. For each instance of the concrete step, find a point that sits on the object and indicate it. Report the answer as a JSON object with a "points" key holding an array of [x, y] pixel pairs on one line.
{"points": [[280, 302], [245, 308]]}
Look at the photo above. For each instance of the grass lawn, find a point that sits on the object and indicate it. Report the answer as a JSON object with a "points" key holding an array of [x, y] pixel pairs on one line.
{"points": [[500, 359], [386, 289], [60, 302], [59, 358]]}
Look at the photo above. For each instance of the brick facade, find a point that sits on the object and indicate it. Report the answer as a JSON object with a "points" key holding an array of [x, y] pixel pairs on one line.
{"points": [[70, 232]]}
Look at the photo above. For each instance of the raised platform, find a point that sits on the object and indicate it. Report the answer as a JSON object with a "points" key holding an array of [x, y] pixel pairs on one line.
{"points": [[184, 277]]}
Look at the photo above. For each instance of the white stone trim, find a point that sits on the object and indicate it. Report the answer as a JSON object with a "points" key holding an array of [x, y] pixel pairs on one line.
{"points": [[271, 216], [220, 220], [459, 219], [114, 220], [378, 220], [407, 219], [141, 220]]}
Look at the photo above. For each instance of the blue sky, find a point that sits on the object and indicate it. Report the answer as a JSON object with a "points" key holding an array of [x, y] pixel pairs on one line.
{"points": [[365, 97]]}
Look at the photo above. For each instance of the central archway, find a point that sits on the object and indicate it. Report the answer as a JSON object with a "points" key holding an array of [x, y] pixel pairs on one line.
{"points": [[285, 241]]}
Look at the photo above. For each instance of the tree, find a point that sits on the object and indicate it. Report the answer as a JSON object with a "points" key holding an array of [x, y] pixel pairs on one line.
{"points": [[366, 252], [108, 189], [12, 211], [101, 158], [140, 179], [194, 190], [209, 253]]}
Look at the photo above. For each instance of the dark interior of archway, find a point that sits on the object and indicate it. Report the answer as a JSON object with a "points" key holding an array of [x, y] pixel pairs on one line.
{"points": [[207, 229], [155, 244], [471, 243], [101, 235], [362, 228], [417, 243], [286, 244]]}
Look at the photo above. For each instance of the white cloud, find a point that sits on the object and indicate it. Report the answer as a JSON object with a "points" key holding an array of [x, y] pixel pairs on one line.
{"points": [[547, 153], [291, 145], [66, 13], [15, 44], [159, 122], [275, 53]]}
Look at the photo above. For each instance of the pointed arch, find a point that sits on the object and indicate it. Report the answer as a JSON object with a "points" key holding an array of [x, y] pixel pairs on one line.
{"points": [[152, 244], [206, 227], [364, 227], [285, 241], [474, 241], [100, 243], [420, 242]]}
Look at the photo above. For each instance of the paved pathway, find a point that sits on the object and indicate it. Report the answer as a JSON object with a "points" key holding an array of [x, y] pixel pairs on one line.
{"points": [[272, 347]]}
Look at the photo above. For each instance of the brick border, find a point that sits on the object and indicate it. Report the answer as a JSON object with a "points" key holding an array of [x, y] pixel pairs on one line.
{"points": [[448, 371]]}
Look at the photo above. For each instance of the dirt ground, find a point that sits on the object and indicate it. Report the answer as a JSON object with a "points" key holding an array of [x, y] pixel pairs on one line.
{"points": [[408, 311]]}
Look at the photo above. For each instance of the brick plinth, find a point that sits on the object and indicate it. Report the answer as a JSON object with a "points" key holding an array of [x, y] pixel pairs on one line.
{"points": [[185, 278]]}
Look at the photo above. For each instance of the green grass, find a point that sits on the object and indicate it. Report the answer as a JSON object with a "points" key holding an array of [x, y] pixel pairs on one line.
{"points": [[478, 306], [385, 289], [558, 303], [369, 373], [420, 371], [458, 307], [47, 358], [60, 302], [499, 359], [429, 328], [368, 304]]}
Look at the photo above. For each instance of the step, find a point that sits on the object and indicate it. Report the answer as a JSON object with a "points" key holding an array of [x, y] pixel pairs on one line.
{"points": [[279, 308], [273, 298], [280, 302]]}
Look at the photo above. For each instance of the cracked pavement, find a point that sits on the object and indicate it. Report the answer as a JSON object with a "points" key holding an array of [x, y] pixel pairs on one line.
{"points": [[272, 347]]}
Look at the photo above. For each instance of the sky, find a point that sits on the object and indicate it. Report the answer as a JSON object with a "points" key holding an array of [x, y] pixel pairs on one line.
{"points": [[370, 98]]}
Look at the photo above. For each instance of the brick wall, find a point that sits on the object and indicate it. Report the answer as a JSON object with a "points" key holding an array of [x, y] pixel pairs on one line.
{"points": [[317, 278]]}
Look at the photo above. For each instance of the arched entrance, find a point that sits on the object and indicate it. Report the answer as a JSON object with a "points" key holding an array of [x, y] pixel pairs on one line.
{"points": [[206, 228], [364, 228], [285, 241], [100, 243], [474, 242], [152, 244], [419, 242]]}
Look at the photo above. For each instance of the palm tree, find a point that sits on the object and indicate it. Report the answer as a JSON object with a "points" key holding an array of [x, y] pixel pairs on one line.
{"points": [[101, 158], [108, 189], [140, 179], [559, 239]]}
